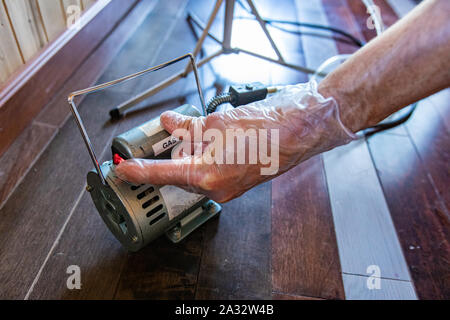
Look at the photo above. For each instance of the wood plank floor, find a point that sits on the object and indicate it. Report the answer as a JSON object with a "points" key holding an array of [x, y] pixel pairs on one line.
{"points": [[282, 240]]}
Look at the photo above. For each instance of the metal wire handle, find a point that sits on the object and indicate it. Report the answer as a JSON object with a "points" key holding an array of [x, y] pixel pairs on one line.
{"points": [[103, 86]]}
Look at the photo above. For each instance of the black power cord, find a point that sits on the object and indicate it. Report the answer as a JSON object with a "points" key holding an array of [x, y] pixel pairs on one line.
{"points": [[215, 102], [240, 95], [273, 23], [391, 124]]}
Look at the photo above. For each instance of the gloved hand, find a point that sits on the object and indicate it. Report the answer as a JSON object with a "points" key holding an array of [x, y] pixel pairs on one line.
{"points": [[276, 134]]}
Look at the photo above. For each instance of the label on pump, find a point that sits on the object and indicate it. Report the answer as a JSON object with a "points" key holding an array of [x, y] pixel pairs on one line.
{"points": [[165, 144]]}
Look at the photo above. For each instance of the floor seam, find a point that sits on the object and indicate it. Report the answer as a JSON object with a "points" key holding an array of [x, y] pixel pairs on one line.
{"points": [[297, 295], [372, 276], [55, 243]]}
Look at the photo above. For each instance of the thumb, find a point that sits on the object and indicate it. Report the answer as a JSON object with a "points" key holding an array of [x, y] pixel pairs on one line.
{"points": [[172, 121]]}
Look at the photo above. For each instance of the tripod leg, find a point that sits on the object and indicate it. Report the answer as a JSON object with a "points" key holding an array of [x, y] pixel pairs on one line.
{"points": [[191, 22], [193, 19], [228, 26], [213, 15], [205, 32], [263, 26]]}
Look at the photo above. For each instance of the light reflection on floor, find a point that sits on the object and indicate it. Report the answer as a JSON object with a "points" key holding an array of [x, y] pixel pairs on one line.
{"points": [[242, 68]]}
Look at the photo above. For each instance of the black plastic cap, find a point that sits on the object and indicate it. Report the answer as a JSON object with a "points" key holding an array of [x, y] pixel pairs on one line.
{"points": [[115, 114]]}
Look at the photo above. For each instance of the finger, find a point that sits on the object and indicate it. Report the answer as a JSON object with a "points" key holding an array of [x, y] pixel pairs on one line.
{"points": [[188, 149], [172, 121], [157, 172]]}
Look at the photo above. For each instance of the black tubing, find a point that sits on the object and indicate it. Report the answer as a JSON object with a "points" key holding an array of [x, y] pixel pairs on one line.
{"points": [[217, 101]]}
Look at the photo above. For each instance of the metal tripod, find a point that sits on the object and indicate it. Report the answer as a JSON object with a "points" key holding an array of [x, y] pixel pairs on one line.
{"points": [[226, 48]]}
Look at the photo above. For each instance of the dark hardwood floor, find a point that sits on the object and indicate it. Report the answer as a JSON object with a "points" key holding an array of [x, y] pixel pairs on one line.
{"points": [[277, 241]]}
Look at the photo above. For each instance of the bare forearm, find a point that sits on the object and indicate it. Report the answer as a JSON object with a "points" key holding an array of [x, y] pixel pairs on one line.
{"points": [[407, 63]]}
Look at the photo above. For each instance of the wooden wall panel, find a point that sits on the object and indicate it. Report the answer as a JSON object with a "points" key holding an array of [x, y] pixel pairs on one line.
{"points": [[27, 26], [39, 22], [52, 13], [34, 87], [10, 56]]}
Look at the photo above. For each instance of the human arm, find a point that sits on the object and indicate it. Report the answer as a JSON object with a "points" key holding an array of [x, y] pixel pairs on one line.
{"points": [[409, 62]]}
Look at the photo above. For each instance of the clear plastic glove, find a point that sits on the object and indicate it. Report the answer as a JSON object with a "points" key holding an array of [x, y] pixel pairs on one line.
{"points": [[265, 139]]}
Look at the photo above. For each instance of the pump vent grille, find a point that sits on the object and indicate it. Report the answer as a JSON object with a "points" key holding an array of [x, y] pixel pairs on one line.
{"points": [[154, 210], [159, 217], [149, 198], [147, 192], [148, 203]]}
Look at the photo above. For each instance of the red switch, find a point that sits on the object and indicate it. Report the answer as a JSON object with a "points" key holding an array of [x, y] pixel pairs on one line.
{"points": [[117, 159]]}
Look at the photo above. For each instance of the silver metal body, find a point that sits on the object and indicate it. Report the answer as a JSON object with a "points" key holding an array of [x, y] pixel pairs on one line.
{"points": [[149, 140], [136, 215]]}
